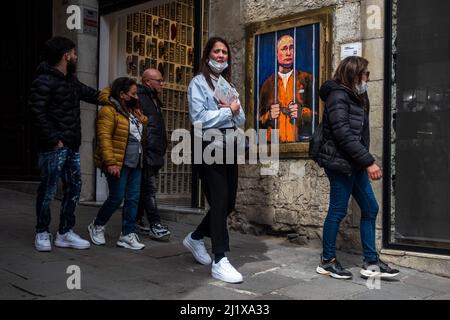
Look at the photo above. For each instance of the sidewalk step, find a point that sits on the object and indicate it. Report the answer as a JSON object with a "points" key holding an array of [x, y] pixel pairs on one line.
{"points": [[29, 187], [169, 213]]}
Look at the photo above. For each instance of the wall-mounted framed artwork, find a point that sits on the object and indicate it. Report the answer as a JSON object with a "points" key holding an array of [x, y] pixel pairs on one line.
{"points": [[296, 51]]}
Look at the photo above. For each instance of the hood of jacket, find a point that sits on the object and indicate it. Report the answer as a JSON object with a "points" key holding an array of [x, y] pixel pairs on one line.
{"points": [[332, 85], [105, 99]]}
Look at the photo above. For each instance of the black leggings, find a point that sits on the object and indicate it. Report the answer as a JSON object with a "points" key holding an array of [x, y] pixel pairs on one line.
{"points": [[220, 187]]}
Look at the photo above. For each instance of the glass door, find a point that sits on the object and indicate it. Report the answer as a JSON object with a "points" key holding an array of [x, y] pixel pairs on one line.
{"points": [[418, 187]]}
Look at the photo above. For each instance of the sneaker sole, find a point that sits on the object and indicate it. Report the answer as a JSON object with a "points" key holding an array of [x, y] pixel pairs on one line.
{"points": [[218, 277], [189, 247], [127, 246], [94, 241], [67, 245], [370, 274], [43, 249], [324, 272]]}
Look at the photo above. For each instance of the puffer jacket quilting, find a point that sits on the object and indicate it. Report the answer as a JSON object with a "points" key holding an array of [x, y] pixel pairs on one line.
{"points": [[346, 137], [55, 104], [112, 132]]}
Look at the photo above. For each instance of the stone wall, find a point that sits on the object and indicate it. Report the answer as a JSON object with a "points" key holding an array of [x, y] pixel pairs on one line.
{"points": [[294, 202], [87, 69]]}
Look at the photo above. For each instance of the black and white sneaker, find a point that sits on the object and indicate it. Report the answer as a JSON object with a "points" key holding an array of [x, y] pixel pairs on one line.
{"points": [[378, 269], [333, 268], [159, 232]]}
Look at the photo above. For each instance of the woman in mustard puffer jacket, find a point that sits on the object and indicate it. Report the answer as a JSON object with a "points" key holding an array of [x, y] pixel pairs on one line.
{"points": [[120, 126]]}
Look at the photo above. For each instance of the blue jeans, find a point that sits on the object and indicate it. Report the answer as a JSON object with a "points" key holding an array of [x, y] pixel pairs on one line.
{"points": [[63, 163], [128, 187], [341, 187]]}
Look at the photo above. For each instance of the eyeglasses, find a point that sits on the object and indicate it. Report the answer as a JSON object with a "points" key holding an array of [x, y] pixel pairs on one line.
{"points": [[157, 80]]}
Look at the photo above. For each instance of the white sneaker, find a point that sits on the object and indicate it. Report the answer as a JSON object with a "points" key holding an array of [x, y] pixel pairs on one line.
{"points": [[226, 272], [97, 234], [71, 240], [198, 249], [42, 241], [130, 241]]}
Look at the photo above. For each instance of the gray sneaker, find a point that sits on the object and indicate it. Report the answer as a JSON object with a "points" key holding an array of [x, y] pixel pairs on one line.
{"points": [[97, 234], [130, 241]]}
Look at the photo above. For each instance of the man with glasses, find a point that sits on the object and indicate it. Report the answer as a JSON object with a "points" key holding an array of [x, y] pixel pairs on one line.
{"points": [[155, 146]]}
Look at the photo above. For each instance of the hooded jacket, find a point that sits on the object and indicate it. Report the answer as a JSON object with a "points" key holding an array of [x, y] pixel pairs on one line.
{"points": [[346, 137], [113, 127], [55, 104], [155, 142]]}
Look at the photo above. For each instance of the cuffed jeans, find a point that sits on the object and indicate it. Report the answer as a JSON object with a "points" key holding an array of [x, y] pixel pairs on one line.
{"points": [[63, 163], [126, 187], [341, 187]]}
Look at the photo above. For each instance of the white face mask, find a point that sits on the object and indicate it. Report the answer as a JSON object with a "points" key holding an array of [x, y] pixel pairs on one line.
{"points": [[217, 67], [362, 87]]}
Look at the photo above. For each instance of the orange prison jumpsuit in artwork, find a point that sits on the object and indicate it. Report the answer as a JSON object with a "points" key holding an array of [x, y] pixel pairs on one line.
{"points": [[285, 97]]}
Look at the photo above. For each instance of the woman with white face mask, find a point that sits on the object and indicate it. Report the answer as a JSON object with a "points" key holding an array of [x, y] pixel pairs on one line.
{"points": [[344, 153], [219, 179]]}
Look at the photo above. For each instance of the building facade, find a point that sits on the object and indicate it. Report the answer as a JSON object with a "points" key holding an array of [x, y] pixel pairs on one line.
{"points": [[407, 44]]}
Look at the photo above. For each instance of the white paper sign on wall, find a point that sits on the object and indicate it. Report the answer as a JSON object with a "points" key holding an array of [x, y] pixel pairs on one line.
{"points": [[351, 49]]}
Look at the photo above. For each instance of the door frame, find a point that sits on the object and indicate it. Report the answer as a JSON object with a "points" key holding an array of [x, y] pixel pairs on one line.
{"points": [[387, 154]]}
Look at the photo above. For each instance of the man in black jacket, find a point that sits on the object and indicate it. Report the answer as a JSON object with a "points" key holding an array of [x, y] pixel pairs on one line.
{"points": [[55, 104], [155, 146]]}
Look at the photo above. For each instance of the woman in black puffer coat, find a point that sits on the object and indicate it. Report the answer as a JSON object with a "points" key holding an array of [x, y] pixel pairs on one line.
{"points": [[344, 153]]}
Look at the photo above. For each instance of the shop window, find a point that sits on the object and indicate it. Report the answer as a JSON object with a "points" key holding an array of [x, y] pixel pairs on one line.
{"points": [[418, 190]]}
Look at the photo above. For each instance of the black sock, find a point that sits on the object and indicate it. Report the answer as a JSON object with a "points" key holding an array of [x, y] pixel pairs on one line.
{"points": [[218, 257], [196, 236]]}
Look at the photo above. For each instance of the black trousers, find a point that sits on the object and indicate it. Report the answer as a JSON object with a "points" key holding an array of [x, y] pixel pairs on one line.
{"points": [[147, 201], [220, 187]]}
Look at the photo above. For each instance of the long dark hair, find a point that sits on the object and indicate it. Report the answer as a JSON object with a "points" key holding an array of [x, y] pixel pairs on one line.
{"points": [[349, 70], [204, 67], [119, 85]]}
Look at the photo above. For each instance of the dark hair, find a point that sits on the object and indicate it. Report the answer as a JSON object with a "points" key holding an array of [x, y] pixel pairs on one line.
{"points": [[55, 48], [204, 67], [350, 70], [119, 85]]}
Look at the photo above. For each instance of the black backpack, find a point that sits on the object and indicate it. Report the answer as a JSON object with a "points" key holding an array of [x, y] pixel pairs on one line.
{"points": [[316, 142]]}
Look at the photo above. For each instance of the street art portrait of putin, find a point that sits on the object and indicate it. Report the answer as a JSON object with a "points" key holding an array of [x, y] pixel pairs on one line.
{"points": [[289, 104]]}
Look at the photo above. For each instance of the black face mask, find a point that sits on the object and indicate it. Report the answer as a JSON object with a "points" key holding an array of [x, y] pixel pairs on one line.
{"points": [[71, 67], [132, 103]]}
